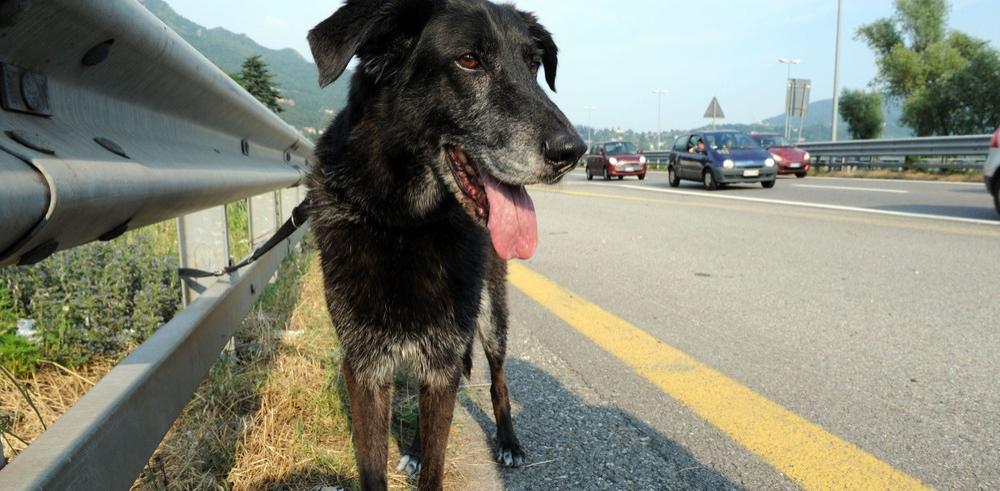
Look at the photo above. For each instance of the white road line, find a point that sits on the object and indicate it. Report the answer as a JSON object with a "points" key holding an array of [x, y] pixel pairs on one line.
{"points": [[847, 188], [815, 205], [907, 181]]}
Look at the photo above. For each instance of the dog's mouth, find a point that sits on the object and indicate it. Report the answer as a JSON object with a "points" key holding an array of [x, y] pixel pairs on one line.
{"points": [[504, 209]]}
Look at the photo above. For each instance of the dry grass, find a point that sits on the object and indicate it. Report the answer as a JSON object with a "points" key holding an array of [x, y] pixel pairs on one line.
{"points": [[914, 175], [53, 389], [273, 415], [276, 417]]}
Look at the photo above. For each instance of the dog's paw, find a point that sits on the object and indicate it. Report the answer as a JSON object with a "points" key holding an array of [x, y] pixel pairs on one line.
{"points": [[511, 456], [410, 464]]}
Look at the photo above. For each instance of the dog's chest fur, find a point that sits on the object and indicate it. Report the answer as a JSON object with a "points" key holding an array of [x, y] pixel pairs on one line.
{"points": [[403, 295]]}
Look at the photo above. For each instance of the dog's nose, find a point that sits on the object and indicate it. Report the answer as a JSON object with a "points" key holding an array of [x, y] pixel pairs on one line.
{"points": [[564, 147]]}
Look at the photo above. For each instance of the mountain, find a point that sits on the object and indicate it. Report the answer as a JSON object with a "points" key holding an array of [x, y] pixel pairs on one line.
{"points": [[817, 124], [308, 108]]}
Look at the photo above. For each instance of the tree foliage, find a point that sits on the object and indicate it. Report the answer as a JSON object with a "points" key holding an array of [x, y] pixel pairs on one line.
{"points": [[863, 112], [258, 81], [946, 79]]}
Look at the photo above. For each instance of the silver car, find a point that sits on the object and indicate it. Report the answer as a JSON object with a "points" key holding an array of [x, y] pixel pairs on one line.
{"points": [[992, 170]]}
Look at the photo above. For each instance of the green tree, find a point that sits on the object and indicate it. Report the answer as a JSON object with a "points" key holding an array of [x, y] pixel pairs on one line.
{"points": [[946, 79], [257, 80], [863, 112]]}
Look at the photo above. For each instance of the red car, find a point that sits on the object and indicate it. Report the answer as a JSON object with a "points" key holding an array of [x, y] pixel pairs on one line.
{"points": [[615, 159], [789, 159]]}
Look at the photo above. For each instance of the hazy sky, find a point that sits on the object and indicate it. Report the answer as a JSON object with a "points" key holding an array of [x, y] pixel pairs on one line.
{"points": [[615, 52]]}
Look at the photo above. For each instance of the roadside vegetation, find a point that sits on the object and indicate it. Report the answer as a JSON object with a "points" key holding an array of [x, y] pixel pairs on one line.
{"points": [[274, 414]]}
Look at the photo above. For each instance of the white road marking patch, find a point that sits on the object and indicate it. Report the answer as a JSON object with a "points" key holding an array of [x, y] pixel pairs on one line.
{"points": [[815, 205], [848, 188]]}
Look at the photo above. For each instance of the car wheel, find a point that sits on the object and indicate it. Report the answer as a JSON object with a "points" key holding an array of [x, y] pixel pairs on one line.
{"points": [[607, 177], [621, 178], [590, 175], [709, 180], [801, 175], [672, 178], [642, 177], [768, 184]]}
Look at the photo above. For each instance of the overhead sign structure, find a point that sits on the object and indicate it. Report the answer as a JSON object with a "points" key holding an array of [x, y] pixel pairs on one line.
{"points": [[797, 103], [714, 111]]}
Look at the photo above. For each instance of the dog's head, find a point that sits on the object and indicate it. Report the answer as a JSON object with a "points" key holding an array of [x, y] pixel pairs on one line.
{"points": [[461, 78]]}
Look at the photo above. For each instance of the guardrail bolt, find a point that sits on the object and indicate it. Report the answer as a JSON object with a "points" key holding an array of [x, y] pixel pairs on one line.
{"points": [[245, 147], [111, 146], [35, 91], [11, 11], [288, 156], [31, 140], [98, 53]]}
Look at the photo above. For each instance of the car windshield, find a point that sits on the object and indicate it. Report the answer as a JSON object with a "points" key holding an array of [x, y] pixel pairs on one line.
{"points": [[768, 141], [620, 148], [726, 142]]}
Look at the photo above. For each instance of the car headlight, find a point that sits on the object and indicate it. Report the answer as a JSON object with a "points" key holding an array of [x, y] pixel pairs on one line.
{"points": [[613, 161], [729, 164], [769, 162], [642, 160], [776, 157], [806, 157]]}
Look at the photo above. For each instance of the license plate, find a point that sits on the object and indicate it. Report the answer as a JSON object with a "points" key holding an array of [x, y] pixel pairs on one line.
{"points": [[751, 173], [630, 169], [795, 166]]}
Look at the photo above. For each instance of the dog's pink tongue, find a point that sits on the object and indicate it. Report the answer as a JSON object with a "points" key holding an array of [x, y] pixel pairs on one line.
{"points": [[512, 223]]}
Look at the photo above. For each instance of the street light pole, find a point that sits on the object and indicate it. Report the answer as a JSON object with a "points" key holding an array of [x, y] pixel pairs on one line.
{"points": [[659, 114], [590, 126], [788, 85], [836, 75]]}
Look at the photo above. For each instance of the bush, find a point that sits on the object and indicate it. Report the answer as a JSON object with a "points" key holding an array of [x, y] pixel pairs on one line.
{"points": [[96, 300]]}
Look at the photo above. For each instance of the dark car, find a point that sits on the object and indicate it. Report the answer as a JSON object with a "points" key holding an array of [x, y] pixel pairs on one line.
{"points": [[717, 158], [615, 159], [789, 158]]}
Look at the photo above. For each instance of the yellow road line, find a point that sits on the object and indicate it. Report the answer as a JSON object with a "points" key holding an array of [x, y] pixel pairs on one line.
{"points": [[811, 456], [906, 223]]}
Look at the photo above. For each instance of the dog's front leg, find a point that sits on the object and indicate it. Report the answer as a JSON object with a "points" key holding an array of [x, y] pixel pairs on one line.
{"points": [[437, 405], [370, 409]]}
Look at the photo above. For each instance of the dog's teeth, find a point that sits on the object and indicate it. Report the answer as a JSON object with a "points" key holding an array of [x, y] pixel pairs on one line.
{"points": [[470, 169]]}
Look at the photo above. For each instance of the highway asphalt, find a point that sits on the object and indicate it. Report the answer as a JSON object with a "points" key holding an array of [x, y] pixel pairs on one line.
{"points": [[826, 338]]}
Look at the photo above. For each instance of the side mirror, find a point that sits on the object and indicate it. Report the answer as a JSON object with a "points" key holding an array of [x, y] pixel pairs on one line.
{"points": [[640, 151]]}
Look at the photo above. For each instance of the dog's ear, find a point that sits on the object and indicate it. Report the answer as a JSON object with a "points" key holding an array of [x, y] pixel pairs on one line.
{"points": [[379, 27], [550, 52]]}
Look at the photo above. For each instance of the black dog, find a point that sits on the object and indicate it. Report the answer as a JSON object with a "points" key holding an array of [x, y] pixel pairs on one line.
{"points": [[418, 201]]}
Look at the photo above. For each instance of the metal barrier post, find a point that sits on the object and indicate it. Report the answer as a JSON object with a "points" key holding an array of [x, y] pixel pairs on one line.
{"points": [[262, 219], [204, 244]]}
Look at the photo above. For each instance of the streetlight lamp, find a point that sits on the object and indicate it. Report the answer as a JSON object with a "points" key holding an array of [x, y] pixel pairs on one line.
{"points": [[590, 126], [788, 84], [659, 113]]}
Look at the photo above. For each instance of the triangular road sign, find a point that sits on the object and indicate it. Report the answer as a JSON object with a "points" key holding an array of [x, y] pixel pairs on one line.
{"points": [[714, 110]]}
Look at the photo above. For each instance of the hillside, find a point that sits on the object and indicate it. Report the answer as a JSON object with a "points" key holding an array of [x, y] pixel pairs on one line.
{"points": [[817, 126], [296, 77]]}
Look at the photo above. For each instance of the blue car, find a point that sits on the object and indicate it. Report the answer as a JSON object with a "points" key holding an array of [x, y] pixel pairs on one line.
{"points": [[717, 158]]}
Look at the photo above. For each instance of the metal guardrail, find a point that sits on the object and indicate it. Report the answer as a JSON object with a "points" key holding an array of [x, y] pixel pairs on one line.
{"points": [[945, 146], [874, 153], [111, 122]]}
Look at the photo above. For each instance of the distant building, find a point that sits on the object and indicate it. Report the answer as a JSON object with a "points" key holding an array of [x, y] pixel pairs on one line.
{"points": [[310, 130], [286, 102]]}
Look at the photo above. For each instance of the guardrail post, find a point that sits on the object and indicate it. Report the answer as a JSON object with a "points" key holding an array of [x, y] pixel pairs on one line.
{"points": [[262, 219], [203, 242]]}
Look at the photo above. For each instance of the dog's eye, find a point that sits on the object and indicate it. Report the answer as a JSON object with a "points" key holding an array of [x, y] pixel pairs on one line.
{"points": [[468, 61], [535, 65]]}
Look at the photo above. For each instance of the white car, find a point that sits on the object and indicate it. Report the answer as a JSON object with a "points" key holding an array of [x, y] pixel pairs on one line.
{"points": [[992, 169]]}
